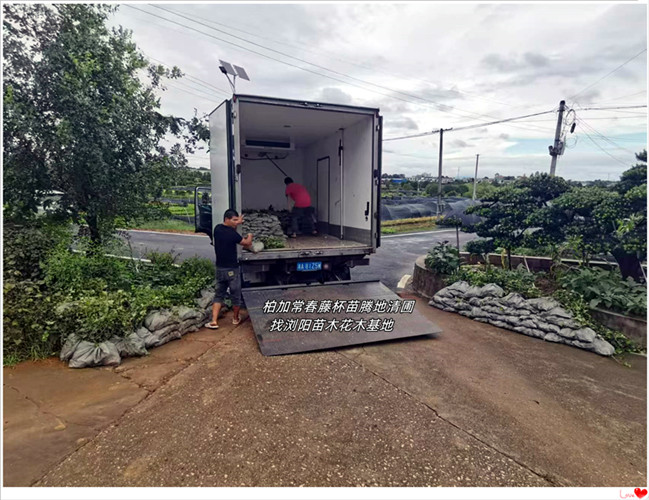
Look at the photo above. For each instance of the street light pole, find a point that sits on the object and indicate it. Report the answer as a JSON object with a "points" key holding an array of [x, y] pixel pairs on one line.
{"points": [[439, 173], [475, 177]]}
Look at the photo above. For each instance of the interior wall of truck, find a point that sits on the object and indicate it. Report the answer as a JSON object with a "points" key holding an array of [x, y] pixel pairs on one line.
{"points": [[305, 143]]}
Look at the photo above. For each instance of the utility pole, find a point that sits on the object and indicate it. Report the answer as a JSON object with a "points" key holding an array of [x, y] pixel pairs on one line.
{"points": [[555, 150], [475, 177], [439, 173]]}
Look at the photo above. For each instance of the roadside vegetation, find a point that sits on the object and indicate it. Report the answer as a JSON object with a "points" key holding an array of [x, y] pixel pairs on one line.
{"points": [[414, 225], [82, 118], [547, 216]]}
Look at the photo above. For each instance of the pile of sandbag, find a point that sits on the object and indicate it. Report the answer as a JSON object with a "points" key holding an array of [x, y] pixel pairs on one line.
{"points": [[159, 328], [262, 224]]}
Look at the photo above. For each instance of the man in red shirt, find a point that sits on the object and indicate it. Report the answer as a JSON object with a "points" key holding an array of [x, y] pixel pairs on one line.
{"points": [[301, 206]]}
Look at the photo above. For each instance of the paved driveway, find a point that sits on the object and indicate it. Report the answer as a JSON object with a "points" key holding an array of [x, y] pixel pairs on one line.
{"points": [[476, 406]]}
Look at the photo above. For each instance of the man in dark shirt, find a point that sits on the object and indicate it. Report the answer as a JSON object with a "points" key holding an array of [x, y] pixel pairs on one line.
{"points": [[228, 274]]}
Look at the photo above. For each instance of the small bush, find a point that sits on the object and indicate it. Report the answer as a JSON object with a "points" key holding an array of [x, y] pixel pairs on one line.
{"points": [[443, 259], [27, 244], [480, 246], [602, 288], [30, 326], [94, 297], [515, 281], [74, 273], [580, 309]]}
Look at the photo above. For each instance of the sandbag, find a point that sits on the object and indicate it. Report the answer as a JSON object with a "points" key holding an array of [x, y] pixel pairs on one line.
{"points": [[184, 313], [69, 346], [149, 339], [166, 334], [90, 354], [130, 345], [159, 319]]}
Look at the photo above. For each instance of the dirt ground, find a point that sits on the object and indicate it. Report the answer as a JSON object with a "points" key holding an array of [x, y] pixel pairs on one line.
{"points": [[475, 406]]}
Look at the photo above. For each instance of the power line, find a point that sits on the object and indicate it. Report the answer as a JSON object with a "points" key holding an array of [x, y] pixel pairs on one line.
{"points": [[193, 93], [625, 96], [608, 74], [347, 61], [190, 77], [607, 139], [301, 68], [318, 65], [267, 56], [477, 125], [602, 149], [613, 107], [438, 106]]}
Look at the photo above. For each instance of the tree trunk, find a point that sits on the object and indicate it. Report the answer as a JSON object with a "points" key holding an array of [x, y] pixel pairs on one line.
{"points": [[629, 264], [509, 259], [93, 227]]}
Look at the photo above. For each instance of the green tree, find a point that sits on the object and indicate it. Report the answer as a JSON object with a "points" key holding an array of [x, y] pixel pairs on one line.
{"points": [[82, 117], [508, 211], [599, 220]]}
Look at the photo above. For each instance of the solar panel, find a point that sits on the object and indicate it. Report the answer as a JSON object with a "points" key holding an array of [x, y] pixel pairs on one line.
{"points": [[228, 68], [241, 73]]}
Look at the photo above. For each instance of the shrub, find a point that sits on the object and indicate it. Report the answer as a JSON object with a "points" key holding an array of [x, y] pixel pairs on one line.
{"points": [[94, 297], [600, 287], [580, 309], [481, 246], [443, 258], [515, 281], [30, 326], [74, 273], [27, 244], [96, 318]]}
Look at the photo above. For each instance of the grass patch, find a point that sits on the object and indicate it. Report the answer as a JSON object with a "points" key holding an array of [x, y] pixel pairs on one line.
{"points": [[415, 225], [168, 225], [180, 210], [415, 220]]}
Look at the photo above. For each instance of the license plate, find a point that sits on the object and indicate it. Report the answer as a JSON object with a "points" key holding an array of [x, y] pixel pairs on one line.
{"points": [[309, 266]]}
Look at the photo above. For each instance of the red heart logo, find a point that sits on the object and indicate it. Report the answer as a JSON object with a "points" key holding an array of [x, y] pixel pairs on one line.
{"points": [[640, 493]]}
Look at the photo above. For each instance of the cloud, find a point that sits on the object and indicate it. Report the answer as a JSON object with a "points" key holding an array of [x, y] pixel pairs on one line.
{"points": [[403, 123], [335, 96], [491, 62], [459, 143]]}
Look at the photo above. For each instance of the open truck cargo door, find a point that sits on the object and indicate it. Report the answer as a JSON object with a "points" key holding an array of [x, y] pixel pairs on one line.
{"points": [[362, 312]]}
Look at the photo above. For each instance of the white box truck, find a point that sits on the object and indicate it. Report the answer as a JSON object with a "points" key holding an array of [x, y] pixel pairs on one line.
{"points": [[335, 152]]}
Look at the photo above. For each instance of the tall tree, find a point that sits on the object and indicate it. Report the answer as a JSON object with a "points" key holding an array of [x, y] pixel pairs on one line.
{"points": [[82, 116], [508, 209]]}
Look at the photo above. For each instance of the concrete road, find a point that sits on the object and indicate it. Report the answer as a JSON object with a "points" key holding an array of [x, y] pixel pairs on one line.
{"points": [[393, 259], [475, 406]]}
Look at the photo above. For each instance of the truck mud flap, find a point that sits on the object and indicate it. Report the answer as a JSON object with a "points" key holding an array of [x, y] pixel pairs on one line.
{"points": [[295, 318]]}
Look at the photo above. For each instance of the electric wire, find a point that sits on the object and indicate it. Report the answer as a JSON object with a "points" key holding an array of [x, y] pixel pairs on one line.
{"points": [[477, 125], [608, 74], [352, 63], [600, 147], [438, 106]]}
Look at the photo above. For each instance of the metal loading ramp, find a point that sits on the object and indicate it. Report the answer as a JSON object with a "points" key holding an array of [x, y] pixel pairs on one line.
{"points": [[307, 324]]}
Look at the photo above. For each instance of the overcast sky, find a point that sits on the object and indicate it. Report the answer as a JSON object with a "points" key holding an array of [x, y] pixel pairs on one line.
{"points": [[426, 66]]}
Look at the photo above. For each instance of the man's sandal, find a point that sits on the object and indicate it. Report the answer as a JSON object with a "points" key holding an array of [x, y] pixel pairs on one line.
{"points": [[236, 321], [211, 326]]}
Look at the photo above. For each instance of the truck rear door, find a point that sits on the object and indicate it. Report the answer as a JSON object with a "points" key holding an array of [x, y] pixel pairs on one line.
{"points": [[222, 161], [299, 318]]}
